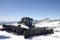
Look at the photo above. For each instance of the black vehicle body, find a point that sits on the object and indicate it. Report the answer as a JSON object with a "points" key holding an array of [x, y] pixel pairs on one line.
{"points": [[14, 29], [37, 31]]}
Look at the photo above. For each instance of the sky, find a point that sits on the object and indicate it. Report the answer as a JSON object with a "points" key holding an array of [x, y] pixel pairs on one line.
{"points": [[36, 9]]}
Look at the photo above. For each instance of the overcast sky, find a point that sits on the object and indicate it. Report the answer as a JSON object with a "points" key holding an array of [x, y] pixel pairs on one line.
{"points": [[37, 9]]}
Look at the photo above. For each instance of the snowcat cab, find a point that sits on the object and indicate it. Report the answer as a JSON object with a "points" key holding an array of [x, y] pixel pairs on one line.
{"points": [[28, 22]]}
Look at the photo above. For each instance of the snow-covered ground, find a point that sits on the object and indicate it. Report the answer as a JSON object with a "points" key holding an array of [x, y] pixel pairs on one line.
{"points": [[48, 24], [9, 36], [56, 36]]}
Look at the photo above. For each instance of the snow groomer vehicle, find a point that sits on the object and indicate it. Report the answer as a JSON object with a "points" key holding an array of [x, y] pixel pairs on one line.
{"points": [[30, 29]]}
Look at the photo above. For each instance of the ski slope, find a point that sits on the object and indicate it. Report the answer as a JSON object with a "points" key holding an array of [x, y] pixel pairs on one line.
{"points": [[56, 36]]}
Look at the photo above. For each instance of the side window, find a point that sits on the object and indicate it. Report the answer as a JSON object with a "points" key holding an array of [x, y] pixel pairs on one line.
{"points": [[33, 23]]}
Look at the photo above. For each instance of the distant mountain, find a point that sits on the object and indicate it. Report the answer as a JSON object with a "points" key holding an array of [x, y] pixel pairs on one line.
{"points": [[6, 22], [47, 20], [48, 23]]}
